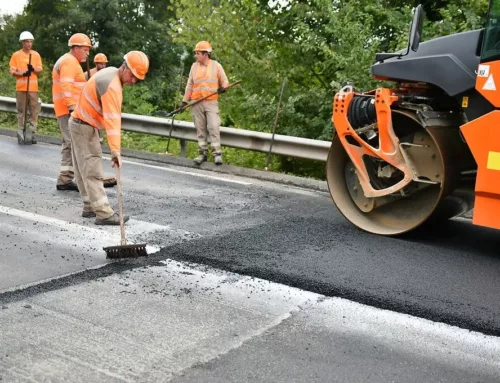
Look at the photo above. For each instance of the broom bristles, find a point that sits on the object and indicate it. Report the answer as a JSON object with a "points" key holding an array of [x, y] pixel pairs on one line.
{"points": [[126, 251]]}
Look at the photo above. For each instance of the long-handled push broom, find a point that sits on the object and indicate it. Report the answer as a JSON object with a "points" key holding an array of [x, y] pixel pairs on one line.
{"points": [[124, 250]]}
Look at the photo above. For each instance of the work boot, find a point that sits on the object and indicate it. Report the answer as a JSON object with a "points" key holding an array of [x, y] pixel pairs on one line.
{"points": [[33, 140], [20, 136], [202, 157], [28, 138], [109, 182], [88, 214], [218, 159], [69, 186], [113, 220]]}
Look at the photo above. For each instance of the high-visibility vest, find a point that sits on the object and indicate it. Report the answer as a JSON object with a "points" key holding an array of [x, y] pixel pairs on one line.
{"points": [[100, 105], [20, 61], [205, 80], [67, 83]]}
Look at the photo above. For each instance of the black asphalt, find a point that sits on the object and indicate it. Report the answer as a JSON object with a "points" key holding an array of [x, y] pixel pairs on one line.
{"points": [[448, 273]]}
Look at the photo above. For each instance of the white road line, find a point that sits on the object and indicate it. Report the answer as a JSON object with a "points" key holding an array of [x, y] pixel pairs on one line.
{"points": [[105, 236], [47, 178], [184, 172], [57, 233]]}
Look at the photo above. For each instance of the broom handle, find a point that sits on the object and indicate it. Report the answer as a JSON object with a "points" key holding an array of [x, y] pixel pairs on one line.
{"points": [[120, 206]]}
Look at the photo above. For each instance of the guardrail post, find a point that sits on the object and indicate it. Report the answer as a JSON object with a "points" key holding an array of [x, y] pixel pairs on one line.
{"points": [[183, 152], [275, 125]]}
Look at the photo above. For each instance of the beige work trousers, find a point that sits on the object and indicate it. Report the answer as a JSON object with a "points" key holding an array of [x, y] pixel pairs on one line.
{"points": [[87, 162], [66, 171], [207, 121], [33, 110]]}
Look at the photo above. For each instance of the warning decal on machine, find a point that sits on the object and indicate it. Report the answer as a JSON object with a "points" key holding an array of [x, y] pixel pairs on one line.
{"points": [[490, 84]]}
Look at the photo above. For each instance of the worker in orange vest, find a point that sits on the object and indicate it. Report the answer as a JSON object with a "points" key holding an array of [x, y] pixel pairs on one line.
{"points": [[206, 77], [22, 69], [100, 61], [100, 107], [67, 83]]}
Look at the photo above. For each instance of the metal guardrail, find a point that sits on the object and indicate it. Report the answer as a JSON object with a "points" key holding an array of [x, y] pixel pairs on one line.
{"points": [[237, 138]]}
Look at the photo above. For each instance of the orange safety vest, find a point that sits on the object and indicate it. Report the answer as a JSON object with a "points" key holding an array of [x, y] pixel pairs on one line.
{"points": [[20, 60], [100, 105], [205, 80], [67, 83]]}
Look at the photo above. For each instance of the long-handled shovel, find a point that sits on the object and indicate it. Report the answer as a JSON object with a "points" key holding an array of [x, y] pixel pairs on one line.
{"points": [[124, 250]]}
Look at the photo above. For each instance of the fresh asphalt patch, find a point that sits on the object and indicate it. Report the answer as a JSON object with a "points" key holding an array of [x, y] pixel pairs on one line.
{"points": [[409, 275]]}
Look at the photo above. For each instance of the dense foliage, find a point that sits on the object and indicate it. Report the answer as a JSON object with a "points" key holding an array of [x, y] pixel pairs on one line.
{"points": [[314, 44]]}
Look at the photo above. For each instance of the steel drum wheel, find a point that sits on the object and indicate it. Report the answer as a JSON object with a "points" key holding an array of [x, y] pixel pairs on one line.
{"points": [[401, 214]]}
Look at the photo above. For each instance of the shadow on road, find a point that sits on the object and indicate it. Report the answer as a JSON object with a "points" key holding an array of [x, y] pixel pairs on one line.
{"points": [[458, 235]]}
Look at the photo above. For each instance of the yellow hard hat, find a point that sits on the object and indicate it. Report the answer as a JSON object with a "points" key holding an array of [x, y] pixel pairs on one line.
{"points": [[138, 63], [203, 46], [100, 58], [79, 39]]}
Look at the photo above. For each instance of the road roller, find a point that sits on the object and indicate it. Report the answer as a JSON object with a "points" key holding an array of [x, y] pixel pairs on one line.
{"points": [[425, 146]]}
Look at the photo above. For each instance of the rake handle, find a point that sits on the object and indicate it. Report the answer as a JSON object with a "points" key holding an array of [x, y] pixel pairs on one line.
{"points": [[193, 103], [120, 206]]}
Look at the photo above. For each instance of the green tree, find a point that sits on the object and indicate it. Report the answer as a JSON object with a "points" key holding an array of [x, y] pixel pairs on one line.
{"points": [[315, 44]]}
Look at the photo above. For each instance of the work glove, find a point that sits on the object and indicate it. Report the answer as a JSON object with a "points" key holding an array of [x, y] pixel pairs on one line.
{"points": [[71, 108], [27, 73], [183, 104], [221, 90], [30, 68], [116, 160]]}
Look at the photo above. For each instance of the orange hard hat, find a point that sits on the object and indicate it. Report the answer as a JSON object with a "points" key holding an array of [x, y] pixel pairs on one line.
{"points": [[138, 63], [79, 39], [100, 58], [203, 46]]}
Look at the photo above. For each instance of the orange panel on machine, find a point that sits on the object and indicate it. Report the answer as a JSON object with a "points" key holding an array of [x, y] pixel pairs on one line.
{"points": [[483, 137], [488, 82]]}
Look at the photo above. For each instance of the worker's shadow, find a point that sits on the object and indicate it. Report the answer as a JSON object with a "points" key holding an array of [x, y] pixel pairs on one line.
{"points": [[457, 234]]}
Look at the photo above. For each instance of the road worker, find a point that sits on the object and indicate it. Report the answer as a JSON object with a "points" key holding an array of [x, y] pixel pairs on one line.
{"points": [[99, 107], [206, 77], [67, 83], [100, 61], [26, 64]]}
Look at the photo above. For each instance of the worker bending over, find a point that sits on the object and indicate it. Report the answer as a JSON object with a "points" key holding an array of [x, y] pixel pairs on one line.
{"points": [[100, 107]]}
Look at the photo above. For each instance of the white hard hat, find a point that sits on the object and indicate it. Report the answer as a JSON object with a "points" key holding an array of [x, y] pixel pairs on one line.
{"points": [[26, 36]]}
